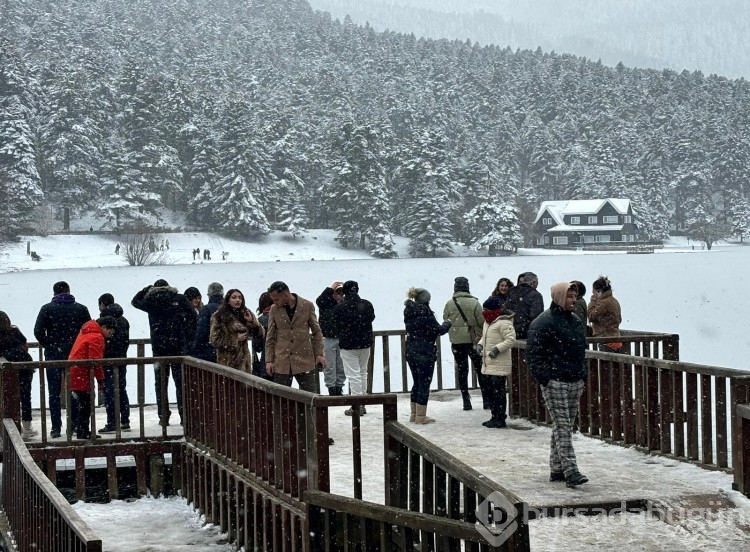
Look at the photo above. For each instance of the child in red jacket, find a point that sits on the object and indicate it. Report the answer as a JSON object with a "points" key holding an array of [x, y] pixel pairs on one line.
{"points": [[88, 345]]}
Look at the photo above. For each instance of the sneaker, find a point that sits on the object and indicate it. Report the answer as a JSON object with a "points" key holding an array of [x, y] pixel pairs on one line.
{"points": [[125, 427], [555, 477], [575, 479], [54, 434], [107, 429]]}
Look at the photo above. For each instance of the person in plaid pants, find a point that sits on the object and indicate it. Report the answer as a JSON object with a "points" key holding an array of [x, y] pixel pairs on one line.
{"points": [[555, 354]]}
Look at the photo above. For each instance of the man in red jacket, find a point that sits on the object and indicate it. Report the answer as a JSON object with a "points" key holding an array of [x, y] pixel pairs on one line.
{"points": [[88, 345]]}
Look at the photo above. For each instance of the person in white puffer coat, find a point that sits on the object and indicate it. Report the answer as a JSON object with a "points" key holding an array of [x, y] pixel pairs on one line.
{"points": [[498, 338]]}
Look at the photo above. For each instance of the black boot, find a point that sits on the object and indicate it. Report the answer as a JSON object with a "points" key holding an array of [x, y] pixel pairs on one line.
{"points": [[467, 399]]}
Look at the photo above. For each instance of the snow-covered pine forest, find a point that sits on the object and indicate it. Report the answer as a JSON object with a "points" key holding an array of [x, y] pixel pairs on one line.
{"points": [[263, 114]]}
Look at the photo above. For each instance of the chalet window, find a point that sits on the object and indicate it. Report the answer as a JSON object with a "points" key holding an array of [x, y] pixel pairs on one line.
{"points": [[602, 238], [575, 220], [593, 220], [588, 239], [627, 219], [547, 221], [631, 238], [560, 240], [609, 220]]}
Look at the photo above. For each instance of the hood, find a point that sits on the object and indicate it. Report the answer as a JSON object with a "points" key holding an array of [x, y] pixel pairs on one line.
{"points": [[114, 310], [412, 309], [560, 292], [162, 296], [91, 327]]}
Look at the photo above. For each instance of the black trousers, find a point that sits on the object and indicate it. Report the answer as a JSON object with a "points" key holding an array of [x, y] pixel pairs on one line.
{"points": [[497, 395], [462, 352]]}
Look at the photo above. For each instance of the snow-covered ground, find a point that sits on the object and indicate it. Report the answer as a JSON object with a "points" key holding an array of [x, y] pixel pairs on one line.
{"points": [[695, 293]]}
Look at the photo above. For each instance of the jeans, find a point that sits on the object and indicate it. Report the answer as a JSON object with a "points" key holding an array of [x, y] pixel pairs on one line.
{"points": [[80, 413], [421, 374], [24, 382], [109, 395], [334, 374], [497, 395], [355, 365], [176, 369], [54, 386]]}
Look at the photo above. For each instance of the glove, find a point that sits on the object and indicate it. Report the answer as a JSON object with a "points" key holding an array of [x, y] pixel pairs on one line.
{"points": [[447, 325], [493, 352], [478, 348]]}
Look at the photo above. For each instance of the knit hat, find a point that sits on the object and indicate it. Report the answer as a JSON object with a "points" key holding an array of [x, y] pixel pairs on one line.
{"points": [[560, 292], [461, 284], [192, 293], [350, 286], [60, 287], [215, 288], [493, 303], [161, 282], [420, 295]]}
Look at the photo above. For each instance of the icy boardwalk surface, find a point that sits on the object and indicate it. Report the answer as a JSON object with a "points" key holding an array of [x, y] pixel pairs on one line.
{"points": [[698, 508]]}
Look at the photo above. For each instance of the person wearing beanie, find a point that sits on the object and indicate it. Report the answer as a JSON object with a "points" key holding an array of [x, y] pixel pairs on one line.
{"points": [[352, 319], [526, 302], [334, 375], [465, 314], [56, 328], [556, 357], [116, 346], [200, 347], [605, 315], [422, 329], [498, 339], [172, 322]]}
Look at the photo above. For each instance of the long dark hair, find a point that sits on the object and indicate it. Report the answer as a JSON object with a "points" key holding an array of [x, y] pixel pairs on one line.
{"points": [[496, 291], [225, 311], [7, 331]]}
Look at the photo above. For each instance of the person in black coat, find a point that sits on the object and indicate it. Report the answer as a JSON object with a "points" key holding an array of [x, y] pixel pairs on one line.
{"points": [[259, 342], [56, 328], [116, 346], [200, 347], [556, 356], [14, 348], [334, 375], [352, 322], [172, 321], [526, 302], [422, 329]]}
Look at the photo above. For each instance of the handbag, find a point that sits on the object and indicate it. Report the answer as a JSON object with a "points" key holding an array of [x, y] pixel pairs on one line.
{"points": [[475, 332]]}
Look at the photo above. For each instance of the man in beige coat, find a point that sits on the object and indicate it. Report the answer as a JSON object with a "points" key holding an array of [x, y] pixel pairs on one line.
{"points": [[294, 342]]}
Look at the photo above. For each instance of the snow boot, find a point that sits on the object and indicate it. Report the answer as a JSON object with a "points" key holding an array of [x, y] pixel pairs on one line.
{"points": [[576, 478], [28, 432], [413, 414], [467, 399], [421, 415]]}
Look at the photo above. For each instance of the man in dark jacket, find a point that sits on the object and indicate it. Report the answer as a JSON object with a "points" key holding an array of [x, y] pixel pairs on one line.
{"points": [[116, 347], [334, 375], [352, 320], [200, 347], [57, 326], [526, 302], [172, 320], [556, 355]]}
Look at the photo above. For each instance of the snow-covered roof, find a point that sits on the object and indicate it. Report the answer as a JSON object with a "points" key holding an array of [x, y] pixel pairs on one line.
{"points": [[558, 209], [579, 228]]}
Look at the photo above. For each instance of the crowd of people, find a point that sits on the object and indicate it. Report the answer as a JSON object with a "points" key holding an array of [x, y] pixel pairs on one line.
{"points": [[284, 340]]}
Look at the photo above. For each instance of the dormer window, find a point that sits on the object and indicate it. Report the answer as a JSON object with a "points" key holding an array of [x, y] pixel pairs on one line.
{"points": [[594, 220], [547, 221], [575, 220]]}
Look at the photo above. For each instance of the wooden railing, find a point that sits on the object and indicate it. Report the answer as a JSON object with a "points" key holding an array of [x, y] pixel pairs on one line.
{"points": [[424, 478], [678, 409], [39, 516]]}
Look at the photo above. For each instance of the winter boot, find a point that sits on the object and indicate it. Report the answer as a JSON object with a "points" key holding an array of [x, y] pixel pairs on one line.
{"points": [[576, 478], [28, 431], [413, 415], [467, 399], [421, 415]]}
